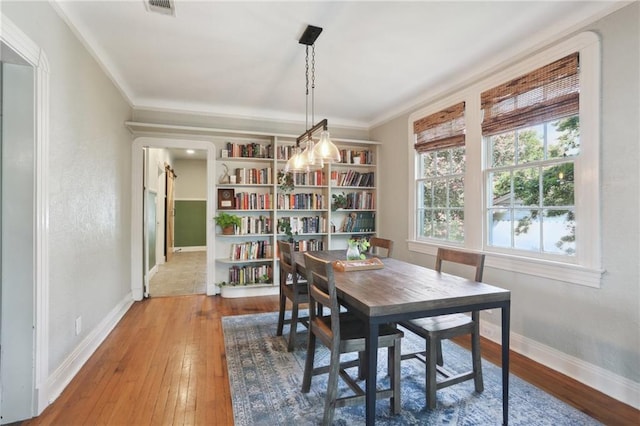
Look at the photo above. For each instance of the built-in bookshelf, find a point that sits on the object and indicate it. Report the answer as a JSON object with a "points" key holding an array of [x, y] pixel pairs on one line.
{"points": [[300, 209]]}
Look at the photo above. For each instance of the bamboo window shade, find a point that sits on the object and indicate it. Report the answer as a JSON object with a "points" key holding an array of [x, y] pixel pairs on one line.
{"points": [[547, 93], [441, 130]]}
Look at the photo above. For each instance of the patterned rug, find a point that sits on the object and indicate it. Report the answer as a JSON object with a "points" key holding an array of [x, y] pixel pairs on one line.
{"points": [[266, 380]]}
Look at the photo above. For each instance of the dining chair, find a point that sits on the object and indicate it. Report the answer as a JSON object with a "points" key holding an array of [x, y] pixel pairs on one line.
{"points": [[435, 329], [342, 332], [377, 243], [293, 287]]}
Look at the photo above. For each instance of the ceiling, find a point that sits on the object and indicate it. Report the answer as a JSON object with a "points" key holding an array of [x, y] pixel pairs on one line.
{"points": [[373, 60]]}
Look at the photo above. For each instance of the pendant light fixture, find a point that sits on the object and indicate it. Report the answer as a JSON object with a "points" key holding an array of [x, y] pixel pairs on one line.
{"points": [[307, 155]]}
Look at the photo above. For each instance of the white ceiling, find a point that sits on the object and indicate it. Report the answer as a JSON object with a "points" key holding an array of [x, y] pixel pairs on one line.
{"points": [[373, 59]]}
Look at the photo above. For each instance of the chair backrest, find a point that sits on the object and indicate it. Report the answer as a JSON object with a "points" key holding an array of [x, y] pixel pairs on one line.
{"points": [[322, 292], [475, 260], [378, 243], [287, 265]]}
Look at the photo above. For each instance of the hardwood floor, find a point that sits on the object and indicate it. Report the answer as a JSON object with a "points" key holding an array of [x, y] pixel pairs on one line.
{"points": [[165, 364]]}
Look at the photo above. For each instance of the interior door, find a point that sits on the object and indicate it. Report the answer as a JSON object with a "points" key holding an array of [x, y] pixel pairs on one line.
{"points": [[169, 212]]}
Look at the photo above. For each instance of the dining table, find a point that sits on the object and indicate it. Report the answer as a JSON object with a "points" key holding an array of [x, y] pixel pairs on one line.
{"points": [[400, 291]]}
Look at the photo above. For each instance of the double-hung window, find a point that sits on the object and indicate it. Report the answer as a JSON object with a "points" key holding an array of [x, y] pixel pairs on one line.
{"points": [[531, 131], [439, 143]]}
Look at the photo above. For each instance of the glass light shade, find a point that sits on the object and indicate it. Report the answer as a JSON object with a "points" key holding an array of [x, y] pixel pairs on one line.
{"points": [[308, 157], [296, 162], [325, 150]]}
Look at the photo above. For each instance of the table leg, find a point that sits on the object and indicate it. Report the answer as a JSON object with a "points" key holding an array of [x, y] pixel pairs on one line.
{"points": [[505, 362], [371, 349]]}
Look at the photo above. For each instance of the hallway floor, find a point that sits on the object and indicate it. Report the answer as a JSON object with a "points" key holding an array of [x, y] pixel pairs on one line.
{"points": [[185, 274]]}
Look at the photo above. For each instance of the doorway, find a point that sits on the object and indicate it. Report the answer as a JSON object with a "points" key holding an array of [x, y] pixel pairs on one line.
{"points": [[140, 240]]}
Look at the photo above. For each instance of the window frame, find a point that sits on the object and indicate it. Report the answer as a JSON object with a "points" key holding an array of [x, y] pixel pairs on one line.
{"points": [[585, 267]]}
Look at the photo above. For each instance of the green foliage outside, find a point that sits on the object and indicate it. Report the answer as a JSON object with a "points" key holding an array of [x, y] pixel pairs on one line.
{"points": [[525, 149]]}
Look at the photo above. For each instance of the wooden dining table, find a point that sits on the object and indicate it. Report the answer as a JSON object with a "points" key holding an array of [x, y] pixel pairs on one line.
{"points": [[401, 291]]}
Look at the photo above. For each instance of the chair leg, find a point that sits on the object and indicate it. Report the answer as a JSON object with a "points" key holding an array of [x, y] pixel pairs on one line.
{"points": [[394, 358], [431, 384], [283, 304], [477, 360], [293, 326], [439, 359], [332, 387], [308, 365]]}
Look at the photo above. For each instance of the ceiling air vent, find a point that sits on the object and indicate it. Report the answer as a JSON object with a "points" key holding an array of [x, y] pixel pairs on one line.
{"points": [[165, 7]]}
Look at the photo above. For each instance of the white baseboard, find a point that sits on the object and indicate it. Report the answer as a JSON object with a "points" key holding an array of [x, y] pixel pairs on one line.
{"points": [[605, 381], [63, 375], [193, 248]]}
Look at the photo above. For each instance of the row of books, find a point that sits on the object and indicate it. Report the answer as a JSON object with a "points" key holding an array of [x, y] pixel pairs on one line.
{"points": [[305, 225], [315, 178], [254, 225], [361, 200], [251, 250], [352, 178], [248, 150], [356, 156], [254, 176], [250, 274], [306, 245], [253, 201], [359, 222], [305, 201], [284, 152]]}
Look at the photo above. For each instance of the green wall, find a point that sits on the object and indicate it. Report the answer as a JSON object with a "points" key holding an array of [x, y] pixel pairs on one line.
{"points": [[190, 223]]}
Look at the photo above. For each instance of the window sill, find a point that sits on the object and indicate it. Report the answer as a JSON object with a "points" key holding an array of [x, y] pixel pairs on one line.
{"points": [[565, 272]]}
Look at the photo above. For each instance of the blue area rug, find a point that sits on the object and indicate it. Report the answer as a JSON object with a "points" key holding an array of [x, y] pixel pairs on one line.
{"points": [[266, 381]]}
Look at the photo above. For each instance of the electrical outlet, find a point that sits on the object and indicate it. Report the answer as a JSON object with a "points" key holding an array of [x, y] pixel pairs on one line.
{"points": [[78, 325]]}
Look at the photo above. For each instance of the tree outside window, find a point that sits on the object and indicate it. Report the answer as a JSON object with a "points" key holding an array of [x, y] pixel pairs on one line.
{"points": [[531, 187]]}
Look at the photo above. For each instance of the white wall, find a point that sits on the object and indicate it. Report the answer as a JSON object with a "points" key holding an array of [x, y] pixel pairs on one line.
{"points": [[191, 183], [587, 331], [89, 198]]}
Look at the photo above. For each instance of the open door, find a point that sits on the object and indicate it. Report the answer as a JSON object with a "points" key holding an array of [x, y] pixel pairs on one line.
{"points": [[169, 212]]}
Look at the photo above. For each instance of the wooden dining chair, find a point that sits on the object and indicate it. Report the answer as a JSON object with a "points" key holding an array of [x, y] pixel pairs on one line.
{"points": [[380, 245], [342, 332], [435, 329], [293, 287]]}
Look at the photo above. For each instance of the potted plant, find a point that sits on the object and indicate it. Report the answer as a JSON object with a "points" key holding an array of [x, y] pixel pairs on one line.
{"points": [[339, 201], [356, 248], [227, 222], [285, 182], [285, 226]]}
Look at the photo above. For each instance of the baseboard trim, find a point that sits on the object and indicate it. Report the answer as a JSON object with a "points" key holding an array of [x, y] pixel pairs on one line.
{"points": [[192, 248], [607, 382], [62, 376]]}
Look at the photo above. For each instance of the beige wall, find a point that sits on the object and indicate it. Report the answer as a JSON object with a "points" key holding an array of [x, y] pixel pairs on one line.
{"points": [[89, 187], [598, 326]]}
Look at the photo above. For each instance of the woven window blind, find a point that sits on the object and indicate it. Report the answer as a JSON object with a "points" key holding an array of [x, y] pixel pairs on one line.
{"points": [[548, 93], [443, 129]]}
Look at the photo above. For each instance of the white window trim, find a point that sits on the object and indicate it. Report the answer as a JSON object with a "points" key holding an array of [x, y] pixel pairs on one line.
{"points": [[585, 269]]}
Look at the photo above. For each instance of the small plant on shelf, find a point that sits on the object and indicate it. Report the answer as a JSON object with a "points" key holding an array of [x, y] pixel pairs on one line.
{"points": [[284, 225], [264, 278], [285, 182], [339, 201], [227, 222]]}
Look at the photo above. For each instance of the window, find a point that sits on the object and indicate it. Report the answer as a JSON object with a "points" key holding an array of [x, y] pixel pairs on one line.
{"points": [[519, 177], [531, 133], [440, 181], [530, 187]]}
